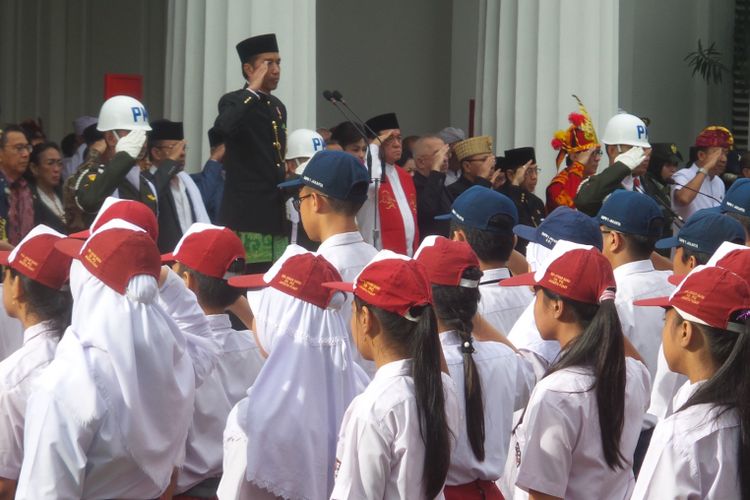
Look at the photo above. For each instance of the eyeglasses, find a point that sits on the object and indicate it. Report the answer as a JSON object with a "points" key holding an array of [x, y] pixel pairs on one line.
{"points": [[20, 148], [297, 202]]}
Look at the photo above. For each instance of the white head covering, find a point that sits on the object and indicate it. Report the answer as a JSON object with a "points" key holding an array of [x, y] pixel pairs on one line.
{"points": [[136, 356], [297, 402]]}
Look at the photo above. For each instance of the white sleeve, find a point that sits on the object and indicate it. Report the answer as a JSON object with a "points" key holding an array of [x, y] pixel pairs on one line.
{"points": [[235, 458], [182, 306], [55, 443], [525, 378], [545, 463], [12, 409], [363, 461]]}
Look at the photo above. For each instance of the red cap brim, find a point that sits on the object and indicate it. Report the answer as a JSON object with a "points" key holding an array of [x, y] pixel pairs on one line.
{"points": [[248, 281], [340, 285], [653, 302], [676, 279], [168, 257], [4, 257], [526, 279], [70, 247], [80, 235]]}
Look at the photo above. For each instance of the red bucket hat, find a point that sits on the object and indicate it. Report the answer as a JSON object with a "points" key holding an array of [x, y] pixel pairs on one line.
{"points": [[37, 258], [445, 261], [208, 249]]}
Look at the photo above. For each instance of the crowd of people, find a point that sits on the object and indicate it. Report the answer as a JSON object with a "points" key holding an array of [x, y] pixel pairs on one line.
{"points": [[345, 313]]}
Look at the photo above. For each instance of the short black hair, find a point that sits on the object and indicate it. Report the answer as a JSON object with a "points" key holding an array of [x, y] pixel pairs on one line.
{"points": [[490, 246], [701, 258], [345, 207], [46, 303], [41, 148], [742, 219], [639, 246], [344, 134], [11, 127], [214, 292], [251, 62]]}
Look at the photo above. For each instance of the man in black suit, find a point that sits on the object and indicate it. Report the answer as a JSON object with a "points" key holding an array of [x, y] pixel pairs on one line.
{"points": [[253, 123]]}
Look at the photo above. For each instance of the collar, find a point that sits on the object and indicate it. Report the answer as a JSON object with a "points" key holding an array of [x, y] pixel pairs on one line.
{"points": [[219, 321], [341, 239], [450, 337], [45, 327], [637, 267], [393, 369], [494, 276]]}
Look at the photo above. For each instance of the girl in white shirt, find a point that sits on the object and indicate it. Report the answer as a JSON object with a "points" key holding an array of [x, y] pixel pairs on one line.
{"points": [[702, 450], [395, 438], [578, 434], [494, 380]]}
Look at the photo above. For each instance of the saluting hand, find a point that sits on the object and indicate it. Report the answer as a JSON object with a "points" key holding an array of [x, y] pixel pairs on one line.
{"points": [[485, 171], [255, 79], [177, 151], [520, 173], [440, 161], [712, 161]]}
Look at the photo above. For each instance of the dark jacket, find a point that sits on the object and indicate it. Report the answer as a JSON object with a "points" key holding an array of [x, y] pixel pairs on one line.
{"points": [[593, 190], [210, 182], [531, 210], [43, 214], [462, 184], [432, 199], [170, 230], [254, 127]]}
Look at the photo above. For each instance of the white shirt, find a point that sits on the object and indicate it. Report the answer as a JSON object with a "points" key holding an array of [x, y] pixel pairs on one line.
{"points": [[11, 332], [693, 454], [664, 389], [349, 254], [238, 364], [368, 212], [642, 325], [526, 337], [17, 375], [559, 445], [501, 306], [380, 452], [712, 187], [181, 203], [451, 176], [506, 379]]}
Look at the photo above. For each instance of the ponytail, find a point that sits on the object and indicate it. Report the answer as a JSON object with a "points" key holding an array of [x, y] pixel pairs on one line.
{"points": [[419, 341], [729, 387], [600, 347], [456, 306]]}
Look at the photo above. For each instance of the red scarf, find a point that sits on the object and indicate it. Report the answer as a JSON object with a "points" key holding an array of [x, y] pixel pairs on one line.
{"points": [[392, 229]]}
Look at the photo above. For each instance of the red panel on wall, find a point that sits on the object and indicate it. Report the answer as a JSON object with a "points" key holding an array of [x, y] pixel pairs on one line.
{"points": [[119, 84]]}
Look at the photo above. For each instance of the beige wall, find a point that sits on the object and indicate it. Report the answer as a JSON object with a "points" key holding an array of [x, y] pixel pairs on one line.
{"points": [[54, 56]]}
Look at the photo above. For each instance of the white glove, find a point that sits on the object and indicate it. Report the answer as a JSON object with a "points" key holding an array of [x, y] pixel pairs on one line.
{"points": [[632, 157], [132, 143]]}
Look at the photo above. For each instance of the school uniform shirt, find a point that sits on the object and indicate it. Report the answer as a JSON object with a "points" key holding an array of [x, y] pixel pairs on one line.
{"points": [[11, 332], [558, 446], [526, 337], [506, 379], [380, 453], [642, 325], [17, 375], [665, 387], [237, 366], [501, 306], [693, 454], [710, 193], [349, 254]]}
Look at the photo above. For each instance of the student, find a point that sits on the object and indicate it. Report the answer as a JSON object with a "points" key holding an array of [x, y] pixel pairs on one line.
{"points": [[564, 223], [700, 451], [119, 394], [495, 381], [332, 190], [577, 436], [33, 292], [736, 204], [395, 437], [484, 219], [280, 441], [205, 257], [693, 245]]}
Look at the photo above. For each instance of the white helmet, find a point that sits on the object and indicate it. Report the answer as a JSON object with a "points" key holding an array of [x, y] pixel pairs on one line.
{"points": [[303, 143], [627, 130], [122, 112]]}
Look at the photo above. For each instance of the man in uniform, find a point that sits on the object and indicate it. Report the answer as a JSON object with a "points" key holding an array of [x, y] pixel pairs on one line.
{"points": [[113, 172], [522, 173], [253, 123]]}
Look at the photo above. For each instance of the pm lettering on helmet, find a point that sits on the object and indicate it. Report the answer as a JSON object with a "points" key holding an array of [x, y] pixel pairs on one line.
{"points": [[139, 112], [641, 130], [317, 144]]}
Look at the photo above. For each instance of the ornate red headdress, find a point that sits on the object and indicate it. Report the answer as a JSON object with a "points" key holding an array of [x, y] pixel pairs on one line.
{"points": [[579, 136], [715, 136]]}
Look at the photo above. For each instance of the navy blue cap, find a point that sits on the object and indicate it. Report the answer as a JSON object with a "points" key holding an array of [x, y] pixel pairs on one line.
{"points": [[631, 212], [705, 231], [563, 223], [737, 198], [336, 174], [477, 205]]}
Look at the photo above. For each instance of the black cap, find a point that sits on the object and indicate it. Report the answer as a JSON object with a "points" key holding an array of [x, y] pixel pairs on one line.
{"points": [[166, 130], [215, 138], [661, 154], [518, 157], [382, 122], [500, 163], [91, 134], [255, 45]]}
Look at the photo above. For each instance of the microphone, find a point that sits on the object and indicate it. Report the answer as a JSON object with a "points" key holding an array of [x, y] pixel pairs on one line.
{"points": [[328, 95]]}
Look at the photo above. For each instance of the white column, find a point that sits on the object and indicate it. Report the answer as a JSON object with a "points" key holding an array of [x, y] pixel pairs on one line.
{"points": [[533, 54], [202, 63]]}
